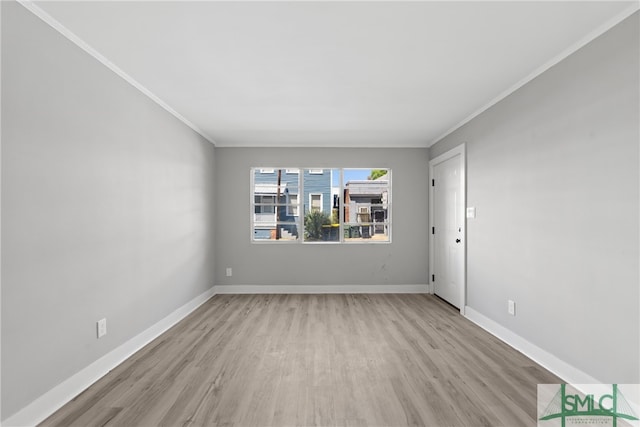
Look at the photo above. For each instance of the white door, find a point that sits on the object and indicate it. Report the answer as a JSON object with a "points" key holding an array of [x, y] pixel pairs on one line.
{"points": [[448, 222]]}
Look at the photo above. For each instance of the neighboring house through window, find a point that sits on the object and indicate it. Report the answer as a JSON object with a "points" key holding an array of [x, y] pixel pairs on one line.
{"points": [[321, 205]]}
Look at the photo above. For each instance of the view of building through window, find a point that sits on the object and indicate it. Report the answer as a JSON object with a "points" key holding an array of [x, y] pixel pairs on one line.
{"points": [[321, 205]]}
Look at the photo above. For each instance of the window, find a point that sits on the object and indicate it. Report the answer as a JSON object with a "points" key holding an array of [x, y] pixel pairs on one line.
{"points": [[367, 208], [315, 201], [275, 205], [265, 204], [321, 205], [292, 206]]}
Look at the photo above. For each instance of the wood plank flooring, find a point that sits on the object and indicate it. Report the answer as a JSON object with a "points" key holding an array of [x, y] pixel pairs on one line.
{"points": [[316, 360]]}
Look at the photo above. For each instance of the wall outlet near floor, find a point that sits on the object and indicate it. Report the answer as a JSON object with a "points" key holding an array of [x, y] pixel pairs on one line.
{"points": [[512, 307], [102, 327], [229, 272]]}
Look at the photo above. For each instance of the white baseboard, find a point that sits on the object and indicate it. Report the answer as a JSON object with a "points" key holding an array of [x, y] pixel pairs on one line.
{"points": [[321, 289], [562, 369], [54, 399]]}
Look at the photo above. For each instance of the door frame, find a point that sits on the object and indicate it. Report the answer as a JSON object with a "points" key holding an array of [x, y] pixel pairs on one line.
{"points": [[459, 150]]}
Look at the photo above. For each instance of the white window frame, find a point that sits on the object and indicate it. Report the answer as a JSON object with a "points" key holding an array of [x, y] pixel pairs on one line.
{"points": [[299, 218], [292, 206], [344, 222], [311, 201]]}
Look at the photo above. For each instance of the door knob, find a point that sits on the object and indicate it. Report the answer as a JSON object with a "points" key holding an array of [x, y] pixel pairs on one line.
{"points": [[457, 240]]}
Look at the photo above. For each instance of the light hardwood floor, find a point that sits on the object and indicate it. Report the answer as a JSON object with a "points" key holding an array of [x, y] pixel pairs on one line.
{"points": [[323, 360]]}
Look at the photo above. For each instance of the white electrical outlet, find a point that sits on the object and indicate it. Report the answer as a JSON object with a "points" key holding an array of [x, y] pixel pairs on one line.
{"points": [[102, 327], [512, 308], [229, 272]]}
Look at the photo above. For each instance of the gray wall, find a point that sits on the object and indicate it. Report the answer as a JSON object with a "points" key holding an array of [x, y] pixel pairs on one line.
{"points": [[553, 173], [107, 209], [404, 261]]}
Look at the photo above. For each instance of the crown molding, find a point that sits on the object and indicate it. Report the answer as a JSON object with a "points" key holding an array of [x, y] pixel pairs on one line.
{"points": [[56, 25], [609, 24]]}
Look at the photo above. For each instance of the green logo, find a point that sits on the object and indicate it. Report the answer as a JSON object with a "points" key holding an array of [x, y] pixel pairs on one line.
{"points": [[580, 408]]}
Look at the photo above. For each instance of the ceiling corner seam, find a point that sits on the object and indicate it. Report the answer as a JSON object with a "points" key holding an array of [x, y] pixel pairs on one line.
{"points": [[609, 24], [56, 25]]}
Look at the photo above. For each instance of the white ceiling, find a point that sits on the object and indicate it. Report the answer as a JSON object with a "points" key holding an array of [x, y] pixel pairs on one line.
{"points": [[332, 74]]}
